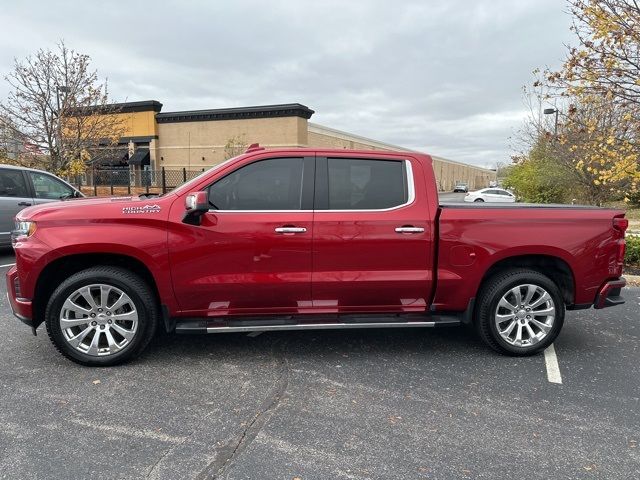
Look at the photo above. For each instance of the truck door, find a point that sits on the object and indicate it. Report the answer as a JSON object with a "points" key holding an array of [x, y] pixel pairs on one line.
{"points": [[251, 254], [372, 242]]}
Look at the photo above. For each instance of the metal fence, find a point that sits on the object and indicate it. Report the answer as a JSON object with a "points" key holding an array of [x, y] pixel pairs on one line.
{"points": [[124, 181]]}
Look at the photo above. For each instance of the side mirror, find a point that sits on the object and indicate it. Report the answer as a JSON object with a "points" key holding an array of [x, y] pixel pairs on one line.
{"points": [[195, 204]]}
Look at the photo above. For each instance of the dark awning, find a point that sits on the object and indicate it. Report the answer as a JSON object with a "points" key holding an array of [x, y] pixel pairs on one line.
{"points": [[109, 156], [140, 157]]}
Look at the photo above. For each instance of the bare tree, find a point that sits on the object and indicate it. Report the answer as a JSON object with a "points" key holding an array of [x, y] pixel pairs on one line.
{"points": [[58, 105], [235, 146]]}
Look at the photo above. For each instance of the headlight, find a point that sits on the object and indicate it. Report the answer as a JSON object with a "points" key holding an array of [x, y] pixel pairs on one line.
{"points": [[22, 231]]}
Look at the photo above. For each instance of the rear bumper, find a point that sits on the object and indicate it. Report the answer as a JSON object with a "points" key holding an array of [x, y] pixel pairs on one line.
{"points": [[609, 294], [21, 307]]}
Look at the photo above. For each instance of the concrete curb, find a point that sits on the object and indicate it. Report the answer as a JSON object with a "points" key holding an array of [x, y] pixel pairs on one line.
{"points": [[632, 280]]}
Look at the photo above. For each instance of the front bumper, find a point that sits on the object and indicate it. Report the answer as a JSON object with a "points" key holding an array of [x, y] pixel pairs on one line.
{"points": [[22, 307], [609, 294]]}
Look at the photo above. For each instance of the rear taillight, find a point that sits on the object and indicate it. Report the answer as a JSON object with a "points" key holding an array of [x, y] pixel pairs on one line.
{"points": [[620, 224], [16, 287], [621, 249]]}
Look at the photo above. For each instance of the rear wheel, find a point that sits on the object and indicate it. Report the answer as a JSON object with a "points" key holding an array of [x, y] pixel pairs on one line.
{"points": [[101, 316], [519, 312], [478, 200]]}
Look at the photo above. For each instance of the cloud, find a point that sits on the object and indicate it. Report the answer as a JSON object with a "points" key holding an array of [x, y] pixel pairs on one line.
{"points": [[443, 77]]}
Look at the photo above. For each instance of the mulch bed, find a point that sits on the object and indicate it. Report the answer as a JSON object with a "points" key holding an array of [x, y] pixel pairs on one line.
{"points": [[632, 269]]}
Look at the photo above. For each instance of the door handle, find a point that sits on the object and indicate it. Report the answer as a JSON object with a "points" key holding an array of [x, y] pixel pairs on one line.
{"points": [[409, 229], [290, 230], [24, 204]]}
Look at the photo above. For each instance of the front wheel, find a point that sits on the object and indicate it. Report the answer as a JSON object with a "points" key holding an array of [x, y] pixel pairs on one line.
{"points": [[478, 200], [101, 316], [519, 312]]}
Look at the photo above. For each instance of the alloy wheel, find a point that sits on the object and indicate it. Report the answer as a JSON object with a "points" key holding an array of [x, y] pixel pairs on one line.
{"points": [[525, 315], [98, 320]]}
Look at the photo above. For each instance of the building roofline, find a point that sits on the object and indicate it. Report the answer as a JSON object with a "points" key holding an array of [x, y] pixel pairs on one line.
{"points": [[141, 106], [316, 128], [124, 107], [237, 113], [436, 158], [322, 130]]}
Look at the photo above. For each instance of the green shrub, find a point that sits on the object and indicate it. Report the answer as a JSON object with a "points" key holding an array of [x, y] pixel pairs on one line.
{"points": [[632, 255], [538, 181]]}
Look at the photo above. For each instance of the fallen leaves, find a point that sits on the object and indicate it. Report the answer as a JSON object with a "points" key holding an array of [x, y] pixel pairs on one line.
{"points": [[393, 419]]}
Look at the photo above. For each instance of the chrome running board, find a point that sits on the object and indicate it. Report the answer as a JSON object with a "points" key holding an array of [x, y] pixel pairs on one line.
{"points": [[317, 326], [204, 326]]}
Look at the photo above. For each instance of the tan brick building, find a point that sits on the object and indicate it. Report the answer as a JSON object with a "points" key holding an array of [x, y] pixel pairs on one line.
{"points": [[196, 139]]}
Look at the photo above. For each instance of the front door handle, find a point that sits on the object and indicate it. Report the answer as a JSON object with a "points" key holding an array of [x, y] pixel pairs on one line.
{"points": [[291, 230], [24, 204], [409, 229]]}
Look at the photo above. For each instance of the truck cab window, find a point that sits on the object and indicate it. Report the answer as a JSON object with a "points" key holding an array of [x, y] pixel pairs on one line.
{"points": [[361, 184], [273, 184]]}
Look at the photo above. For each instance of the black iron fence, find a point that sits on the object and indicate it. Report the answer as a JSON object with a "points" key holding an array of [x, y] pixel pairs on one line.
{"points": [[125, 181]]}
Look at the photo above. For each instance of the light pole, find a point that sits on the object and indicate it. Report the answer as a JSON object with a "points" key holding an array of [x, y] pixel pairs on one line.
{"points": [[549, 111], [63, 89]]}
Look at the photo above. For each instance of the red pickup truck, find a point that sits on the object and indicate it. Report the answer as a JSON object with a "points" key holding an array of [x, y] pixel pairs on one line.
{"points": [[308, 239]]}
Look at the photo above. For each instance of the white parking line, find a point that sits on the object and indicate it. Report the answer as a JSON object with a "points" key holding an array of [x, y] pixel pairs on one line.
{"points": [[7, 265], [553, 369]]}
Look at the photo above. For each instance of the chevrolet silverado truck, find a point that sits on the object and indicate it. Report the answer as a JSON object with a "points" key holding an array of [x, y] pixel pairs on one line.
{"points": [[295, 239]]}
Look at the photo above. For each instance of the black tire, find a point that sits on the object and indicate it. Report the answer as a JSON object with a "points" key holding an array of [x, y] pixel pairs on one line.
{"points": [[490, 295], [146, 305], [478, 200]]}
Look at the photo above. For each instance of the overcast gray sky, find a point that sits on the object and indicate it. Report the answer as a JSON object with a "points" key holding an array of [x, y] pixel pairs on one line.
{"points": [[443, 77]]}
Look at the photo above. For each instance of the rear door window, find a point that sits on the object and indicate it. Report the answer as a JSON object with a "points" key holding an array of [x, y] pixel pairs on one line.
{"points": [[12, 184], [363, 184]]}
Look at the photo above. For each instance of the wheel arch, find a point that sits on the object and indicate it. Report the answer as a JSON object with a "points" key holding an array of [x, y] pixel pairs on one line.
{"points": [[67, 265], [554, 267]]}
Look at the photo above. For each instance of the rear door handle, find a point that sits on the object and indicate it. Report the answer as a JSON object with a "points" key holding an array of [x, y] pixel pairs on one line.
{"points": [[409, 229], [24, 204], [291, 230]]}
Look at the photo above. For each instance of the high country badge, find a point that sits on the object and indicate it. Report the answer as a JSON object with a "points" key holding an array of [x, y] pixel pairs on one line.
{"points": [[155, 208]]}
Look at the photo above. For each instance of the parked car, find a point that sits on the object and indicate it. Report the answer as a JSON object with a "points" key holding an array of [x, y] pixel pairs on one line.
{"points": [[296, 239], [490, 195], [22, 187], [461, 187]]}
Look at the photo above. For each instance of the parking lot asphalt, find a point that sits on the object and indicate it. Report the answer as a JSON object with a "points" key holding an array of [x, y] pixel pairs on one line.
{"points": [[450, 197], [328, 404]]}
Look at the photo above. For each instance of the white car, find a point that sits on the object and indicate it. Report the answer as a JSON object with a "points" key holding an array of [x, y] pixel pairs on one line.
{"points": [[490, 195]]}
